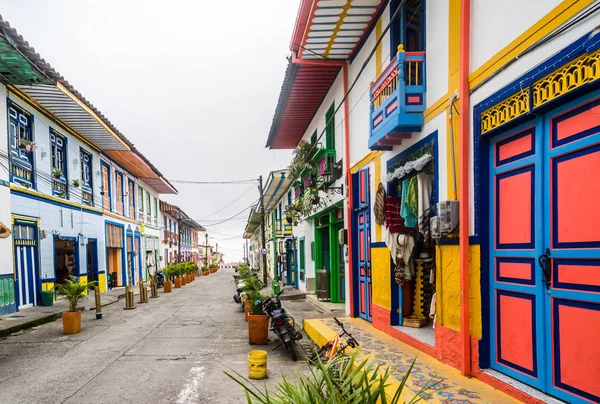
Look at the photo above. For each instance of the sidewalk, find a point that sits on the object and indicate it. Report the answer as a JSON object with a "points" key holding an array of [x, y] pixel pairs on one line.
{"points": [[37, 315], [454, 388]]}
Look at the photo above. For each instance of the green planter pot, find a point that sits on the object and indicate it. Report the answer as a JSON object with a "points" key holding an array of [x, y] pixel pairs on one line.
{"points": [[276, 286], [47, 297]]}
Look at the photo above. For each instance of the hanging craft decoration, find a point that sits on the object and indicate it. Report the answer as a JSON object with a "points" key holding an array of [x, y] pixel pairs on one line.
{"points": [[379, 208], [405, 169]]}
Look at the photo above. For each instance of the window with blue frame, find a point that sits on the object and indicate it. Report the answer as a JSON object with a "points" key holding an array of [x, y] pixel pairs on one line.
{"points": [[408, 28], [119, 190], [58, 150], [20, 133], [87, 188]]}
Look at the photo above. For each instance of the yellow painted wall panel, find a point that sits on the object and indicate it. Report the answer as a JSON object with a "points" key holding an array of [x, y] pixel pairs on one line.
{"points": [[102, 282], [47, 285], [381, 277], [448, 288]]}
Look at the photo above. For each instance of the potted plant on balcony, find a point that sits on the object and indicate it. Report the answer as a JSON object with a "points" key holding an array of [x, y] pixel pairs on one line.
{"points": [[258, 322], [301, 159], [292, 212], [75, 183], [57, 173], [75, 292], [167, 285], [27, 146]]}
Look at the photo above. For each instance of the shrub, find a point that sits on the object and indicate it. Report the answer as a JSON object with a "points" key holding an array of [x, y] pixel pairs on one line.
{"points": [[342, 380], [256, 300], [251, 283], [74, 291]]}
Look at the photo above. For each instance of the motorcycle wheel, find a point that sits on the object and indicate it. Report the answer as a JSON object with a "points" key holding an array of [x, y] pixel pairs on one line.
{"points": [[291, 347]]}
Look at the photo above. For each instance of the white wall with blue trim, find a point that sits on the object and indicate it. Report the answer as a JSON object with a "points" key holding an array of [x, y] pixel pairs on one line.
{"points": [[65, 221]]}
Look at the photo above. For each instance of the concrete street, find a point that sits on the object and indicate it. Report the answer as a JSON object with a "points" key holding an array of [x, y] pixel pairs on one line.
{"points": [[171, 350]]}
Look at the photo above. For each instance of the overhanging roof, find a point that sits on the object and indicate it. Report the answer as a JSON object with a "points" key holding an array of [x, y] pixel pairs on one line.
{"points": [[332, 29], [23, 67], [276, 187], [253, 222], [303, 90], [326, 34]]}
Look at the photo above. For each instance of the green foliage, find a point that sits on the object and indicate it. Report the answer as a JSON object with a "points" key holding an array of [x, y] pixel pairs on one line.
{"points": [[190, 267], [205, 268], [251, 283], [213, 265], [301, 159], [244, 271], [74, 291], [343, 380], [256, 300]]}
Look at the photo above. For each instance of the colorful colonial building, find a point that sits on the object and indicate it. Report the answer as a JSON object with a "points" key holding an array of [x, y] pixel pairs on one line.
{"points": [[465, 131], [73, 180]]}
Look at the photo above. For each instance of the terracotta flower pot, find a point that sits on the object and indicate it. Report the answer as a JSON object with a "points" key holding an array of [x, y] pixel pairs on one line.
{"points": [[183, 280], [177, 283], [167, 286], [71, 322], [246, 309], [258, 329]]}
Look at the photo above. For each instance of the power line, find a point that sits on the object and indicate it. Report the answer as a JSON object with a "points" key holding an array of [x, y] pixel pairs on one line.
{"points": [[232, 202], [233, 182]]}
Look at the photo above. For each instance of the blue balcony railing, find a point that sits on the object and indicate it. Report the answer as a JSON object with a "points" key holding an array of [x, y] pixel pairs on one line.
{"points": [[398, 100]]}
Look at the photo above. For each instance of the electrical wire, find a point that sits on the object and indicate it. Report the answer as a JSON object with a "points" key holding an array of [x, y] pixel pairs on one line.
{"points": [[234, 182], [229, 204]]}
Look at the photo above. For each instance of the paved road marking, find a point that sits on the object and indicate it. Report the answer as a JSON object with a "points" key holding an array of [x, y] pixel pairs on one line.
{"points": [[189, 393]]}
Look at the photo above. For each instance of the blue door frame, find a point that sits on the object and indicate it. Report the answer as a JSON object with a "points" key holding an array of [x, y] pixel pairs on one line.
{"points": [[94, 258], [540, 176], [362, 244], [26, 266]]}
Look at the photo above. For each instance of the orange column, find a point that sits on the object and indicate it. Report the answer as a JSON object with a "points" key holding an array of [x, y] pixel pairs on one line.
{"points": [[463, 89]]}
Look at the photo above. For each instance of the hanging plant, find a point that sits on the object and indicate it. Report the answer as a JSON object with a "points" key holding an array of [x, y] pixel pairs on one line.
{"points": [[57, 173], [301, 159], [27, 146], [76, 183], [292, 213]]}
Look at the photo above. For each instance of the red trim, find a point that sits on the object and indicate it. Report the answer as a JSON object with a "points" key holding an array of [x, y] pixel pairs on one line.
{"points": [[383, 72], [419, 53], [349, 208], [300, 25], [463, 90]]}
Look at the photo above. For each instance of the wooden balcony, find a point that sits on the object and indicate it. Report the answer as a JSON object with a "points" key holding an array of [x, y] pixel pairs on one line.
{"points": [[325, 160], [398, 100]]}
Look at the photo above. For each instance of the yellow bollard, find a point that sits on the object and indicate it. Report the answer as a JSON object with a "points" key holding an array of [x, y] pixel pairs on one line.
{"points": [[143, 292], [153, 288], [98, 303], [257, 364], [129, 304]]}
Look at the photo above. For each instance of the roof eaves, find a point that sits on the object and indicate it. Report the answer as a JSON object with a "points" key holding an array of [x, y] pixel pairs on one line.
{"points": [[284, 94]]}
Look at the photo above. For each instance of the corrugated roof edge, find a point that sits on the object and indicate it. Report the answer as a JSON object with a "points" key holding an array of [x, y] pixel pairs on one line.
{"points": [[40, 63], [286, 87]]}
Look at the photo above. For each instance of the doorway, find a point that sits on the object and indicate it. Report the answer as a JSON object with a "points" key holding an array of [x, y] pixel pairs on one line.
{"points": [[544, 251], [362, 243], [26, 260], [66, 258], [92, 260]]}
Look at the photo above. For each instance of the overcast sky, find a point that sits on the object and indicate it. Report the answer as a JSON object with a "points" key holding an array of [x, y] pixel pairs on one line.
{"points": [[192, 83]]}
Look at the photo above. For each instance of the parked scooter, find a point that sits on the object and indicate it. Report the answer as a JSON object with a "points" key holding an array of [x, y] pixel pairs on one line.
{"points": [[282, 324], [159, 278]]}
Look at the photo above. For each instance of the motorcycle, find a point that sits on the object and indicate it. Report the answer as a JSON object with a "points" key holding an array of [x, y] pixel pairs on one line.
{"points": [[159, 278], [282, 324]]}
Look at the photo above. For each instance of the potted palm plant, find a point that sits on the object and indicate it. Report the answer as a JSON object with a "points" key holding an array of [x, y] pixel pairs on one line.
{"points": [[167, 285], [205, 270], [258, 322], [75, 292], [177, 273], [214, 267], [75, 183], [57, 173]]}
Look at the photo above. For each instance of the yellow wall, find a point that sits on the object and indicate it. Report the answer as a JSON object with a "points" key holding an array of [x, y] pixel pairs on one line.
{"points": [[381, 277], [102, 282], [448, 287]]}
